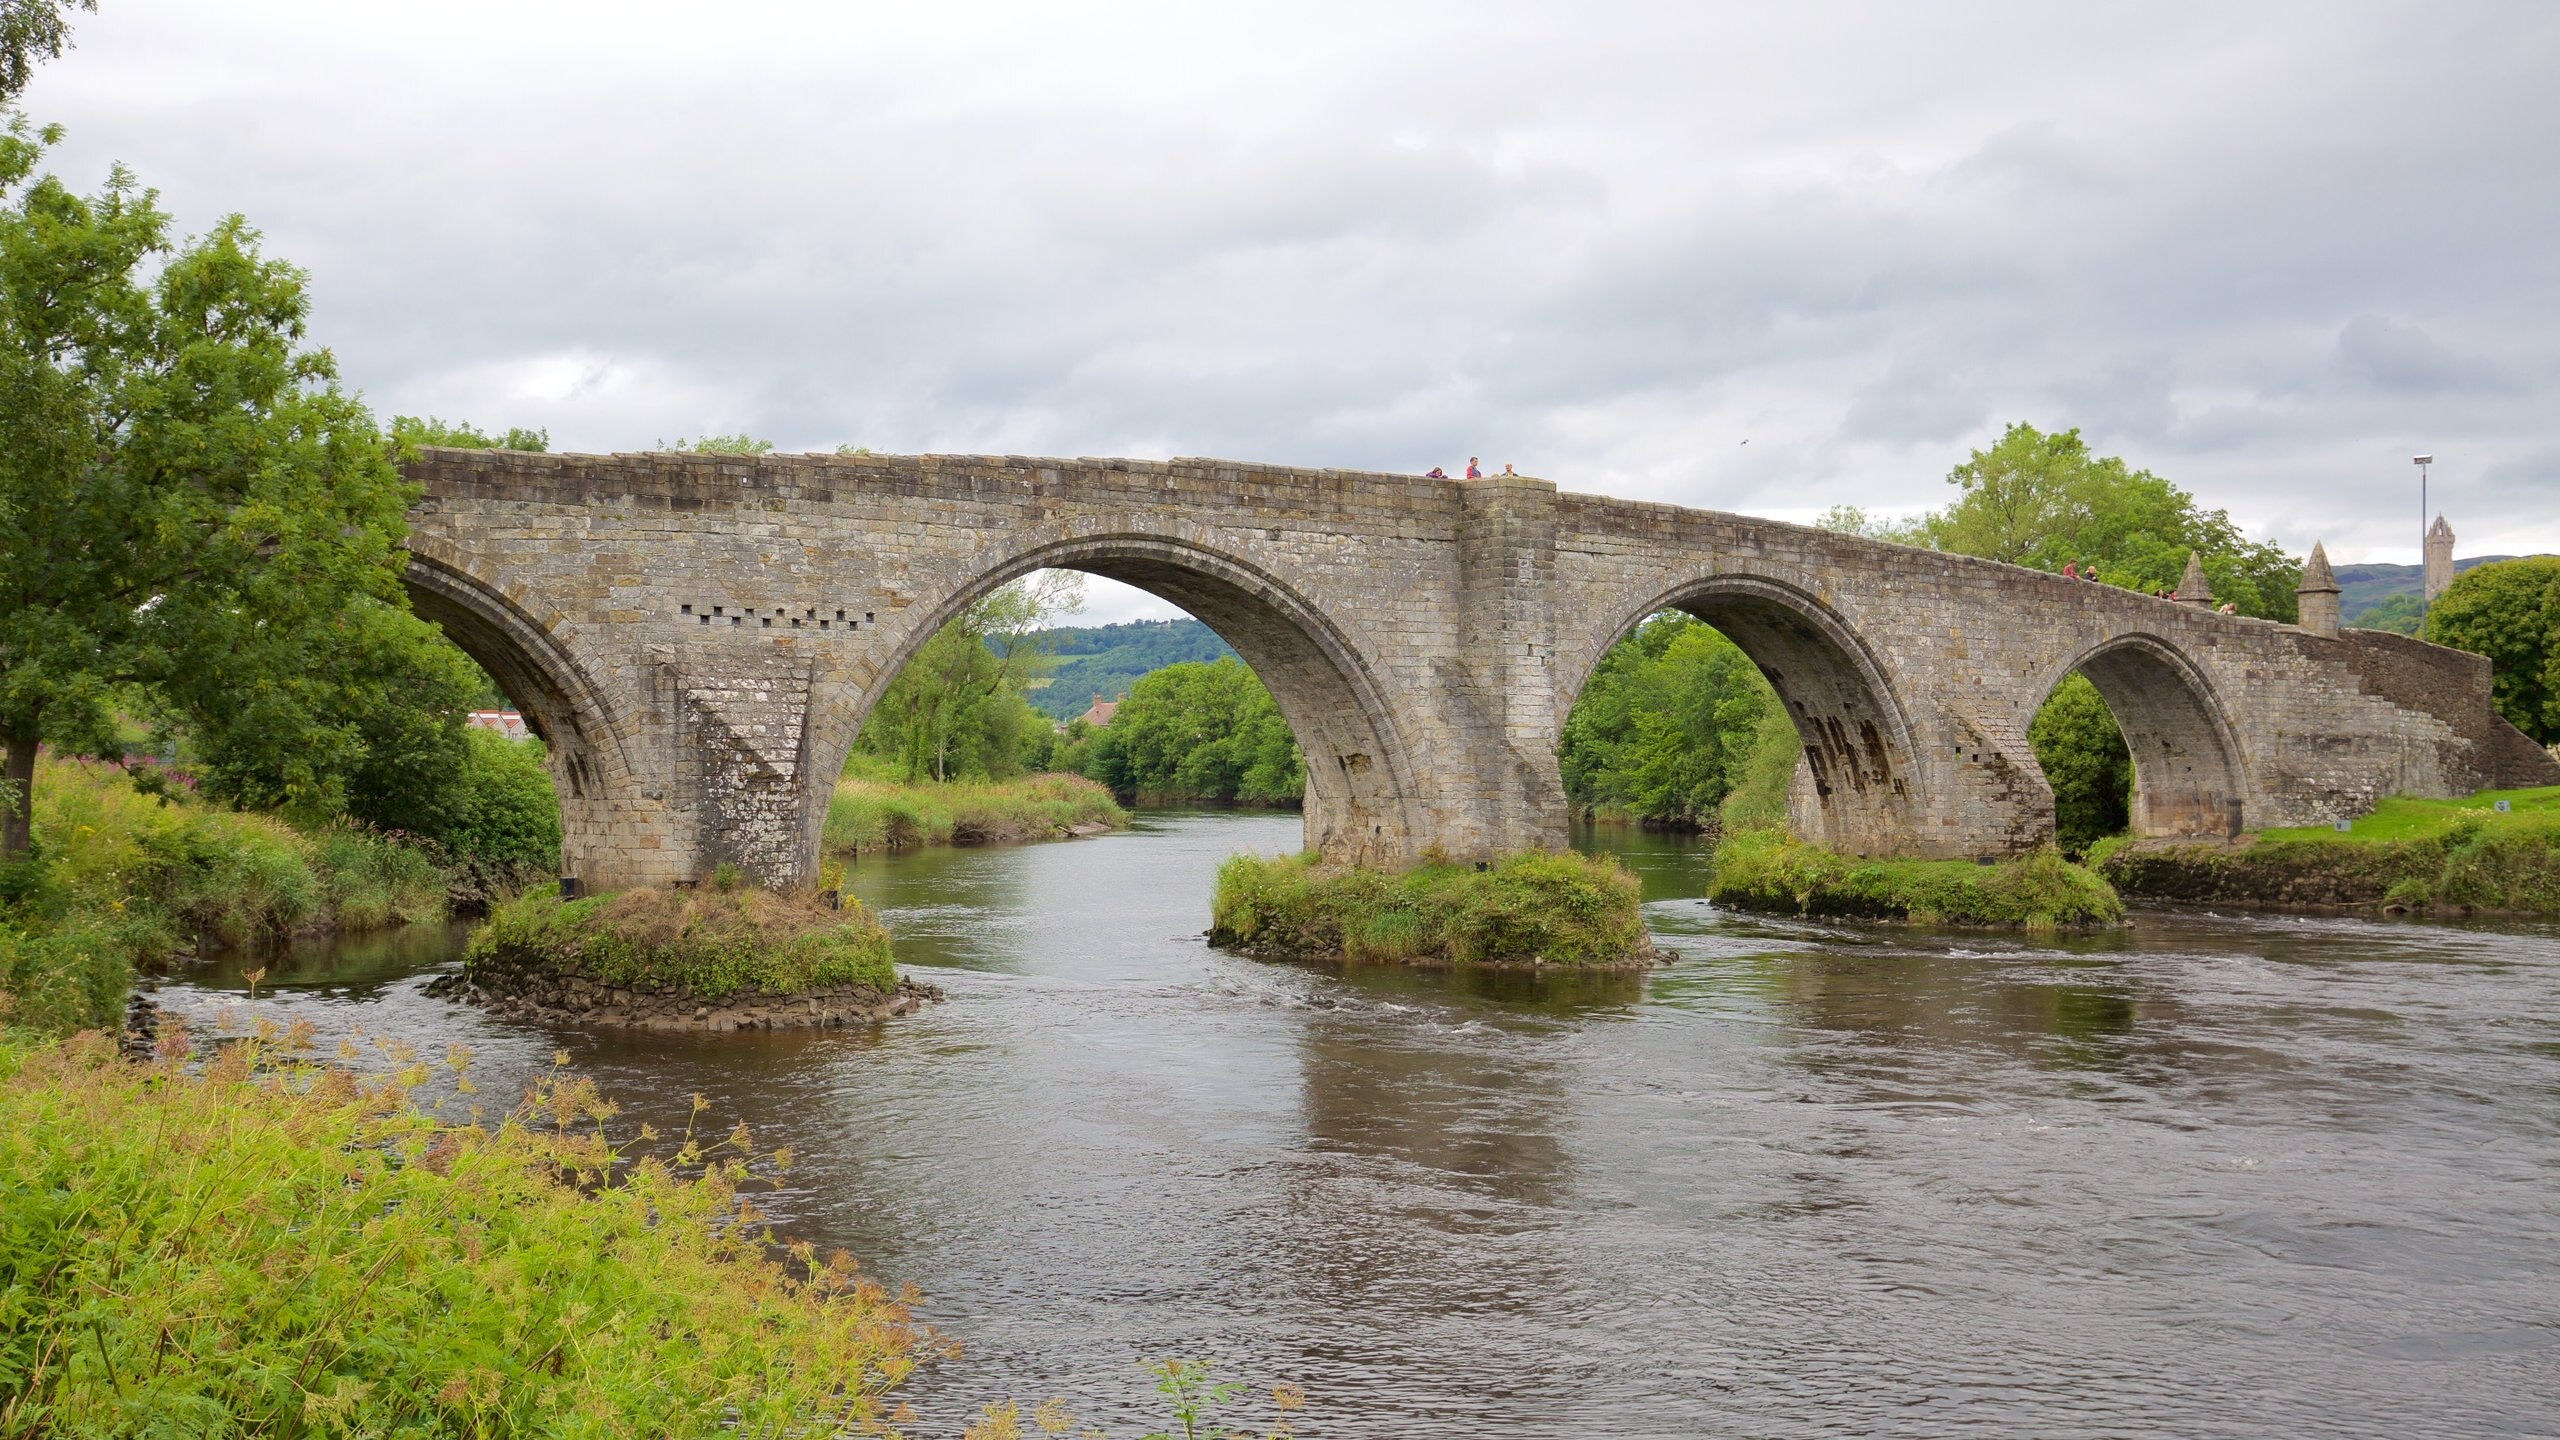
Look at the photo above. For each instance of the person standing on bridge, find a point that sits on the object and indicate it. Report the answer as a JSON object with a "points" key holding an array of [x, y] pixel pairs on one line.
{"points": [[1472, 472], [2070, 569]]}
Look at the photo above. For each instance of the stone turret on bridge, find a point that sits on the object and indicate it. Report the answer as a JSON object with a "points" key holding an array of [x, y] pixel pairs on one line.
{"points": [[2316, 598], [698, 638]]}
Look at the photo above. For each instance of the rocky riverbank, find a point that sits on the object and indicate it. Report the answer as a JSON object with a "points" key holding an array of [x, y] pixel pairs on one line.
{"points": [[582, 998], [2408, 856]]}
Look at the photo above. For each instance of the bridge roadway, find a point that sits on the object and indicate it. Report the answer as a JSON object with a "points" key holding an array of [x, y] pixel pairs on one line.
{"points": [[699, 638]]}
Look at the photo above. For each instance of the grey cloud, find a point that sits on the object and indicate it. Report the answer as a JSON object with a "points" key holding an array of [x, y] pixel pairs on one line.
{"points": [[1607, 249], [2392, 356]]}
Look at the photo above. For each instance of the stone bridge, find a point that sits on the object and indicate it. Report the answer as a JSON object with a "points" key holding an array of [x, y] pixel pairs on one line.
{"points": [[699, 638]]}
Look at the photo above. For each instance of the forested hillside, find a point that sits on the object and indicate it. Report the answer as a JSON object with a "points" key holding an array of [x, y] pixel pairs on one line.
{"points": [[2385, 597], [1106, 660]]}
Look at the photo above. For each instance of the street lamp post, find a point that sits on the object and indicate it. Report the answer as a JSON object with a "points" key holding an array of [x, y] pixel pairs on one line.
{"points": [[2422, 462]]}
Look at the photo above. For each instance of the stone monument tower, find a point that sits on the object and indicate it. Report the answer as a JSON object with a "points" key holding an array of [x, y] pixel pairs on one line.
{"points": [[2317, 595], [2439, 558]]}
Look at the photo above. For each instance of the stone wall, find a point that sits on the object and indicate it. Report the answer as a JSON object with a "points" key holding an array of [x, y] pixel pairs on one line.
{"points": [[700, 637]]}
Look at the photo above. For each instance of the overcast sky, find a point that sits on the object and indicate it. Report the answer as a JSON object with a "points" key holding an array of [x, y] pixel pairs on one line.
{"points": [[2267, 250]]}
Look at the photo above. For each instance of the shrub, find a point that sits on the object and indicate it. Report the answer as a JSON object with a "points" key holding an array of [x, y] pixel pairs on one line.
{"points": [[506, 815], [255, 1249], [1560, 908], [121, 880], [711, 943], [1764, 870]]}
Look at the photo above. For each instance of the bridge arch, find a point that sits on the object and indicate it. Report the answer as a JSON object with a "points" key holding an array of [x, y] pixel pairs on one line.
{"points": [[2187, 777], [586, 752], [1361, 798], [1859, 752]]}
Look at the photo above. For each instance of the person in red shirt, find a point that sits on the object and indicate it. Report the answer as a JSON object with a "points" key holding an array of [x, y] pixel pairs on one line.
{"points": [[1472, 472]]}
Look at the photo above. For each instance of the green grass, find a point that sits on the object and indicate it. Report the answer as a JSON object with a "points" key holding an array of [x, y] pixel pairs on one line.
{"points": [[2406, 817], [258, 1246], [710, 943], [2409, 854], [1557, 909], [120, 880], [1763, 870], [870, 812]]}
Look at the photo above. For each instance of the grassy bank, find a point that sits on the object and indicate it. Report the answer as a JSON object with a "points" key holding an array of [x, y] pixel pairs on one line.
{"points": [[711, 943], [1763, 870], [1556, 909], [2408, 854], [120, 880], [255, 1247], [871, 812]]}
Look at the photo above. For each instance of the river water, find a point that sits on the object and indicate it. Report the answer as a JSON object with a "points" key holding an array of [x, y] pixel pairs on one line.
{"points": [[2209, 1176]]}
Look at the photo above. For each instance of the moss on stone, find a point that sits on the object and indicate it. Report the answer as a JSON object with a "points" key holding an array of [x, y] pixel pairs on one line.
{"points": [[712, 944], [1531, 908], [1764, 870]]}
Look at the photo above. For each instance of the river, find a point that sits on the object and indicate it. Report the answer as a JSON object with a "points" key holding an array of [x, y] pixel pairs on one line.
{"points": [[2208, 1176]]}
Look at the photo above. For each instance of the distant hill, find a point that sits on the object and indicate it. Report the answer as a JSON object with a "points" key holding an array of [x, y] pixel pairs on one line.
{"points": [[2362, 587], [1106, 660]]}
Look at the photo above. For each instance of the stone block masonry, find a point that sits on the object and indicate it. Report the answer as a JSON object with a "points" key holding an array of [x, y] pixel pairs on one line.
{"points": [[698, 638]]}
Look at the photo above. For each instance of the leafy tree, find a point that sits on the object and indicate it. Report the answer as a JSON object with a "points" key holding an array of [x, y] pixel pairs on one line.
{"points": [[956, 710], [2510, 612], [1200, 731], [187, 497], [409, 430], [2043, 500], [360, 713], [32, 31], [1664, 726], [2085, 760]]}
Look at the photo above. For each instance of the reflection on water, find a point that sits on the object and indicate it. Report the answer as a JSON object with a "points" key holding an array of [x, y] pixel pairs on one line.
{"points": [[2203, 1177]]}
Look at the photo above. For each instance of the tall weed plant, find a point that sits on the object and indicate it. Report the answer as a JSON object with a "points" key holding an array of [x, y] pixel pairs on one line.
{"points": [[264, 1246]]}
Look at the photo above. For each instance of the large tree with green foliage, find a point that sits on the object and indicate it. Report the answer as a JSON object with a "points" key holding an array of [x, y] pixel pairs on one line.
{"points": [[2510, 612], [187, 497], [1665, 725], [2043, 500], [1200, 731]]}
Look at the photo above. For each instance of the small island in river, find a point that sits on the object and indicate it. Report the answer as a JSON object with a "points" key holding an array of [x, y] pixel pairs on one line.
{"points": [[1529, 909], [718, 957]]}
